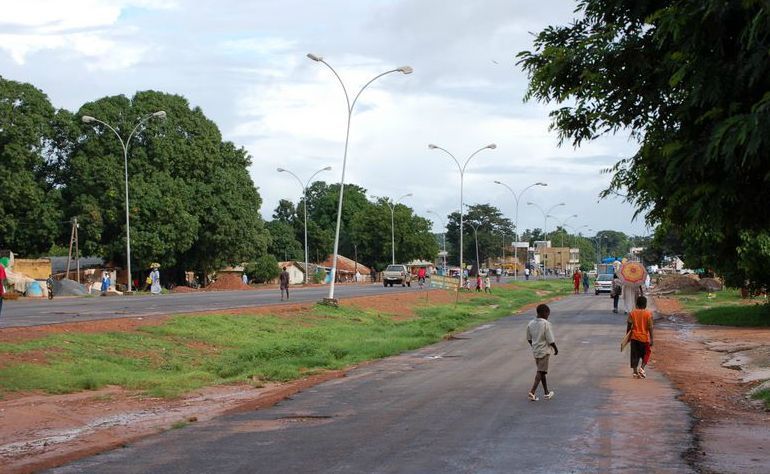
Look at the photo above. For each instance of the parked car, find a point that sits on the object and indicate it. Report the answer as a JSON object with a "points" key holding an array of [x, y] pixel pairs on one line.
{"points": [[397, 274], [603, 284]]}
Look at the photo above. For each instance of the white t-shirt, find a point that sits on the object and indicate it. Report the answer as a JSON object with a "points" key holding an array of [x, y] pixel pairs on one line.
{"points": [[540, 333]]}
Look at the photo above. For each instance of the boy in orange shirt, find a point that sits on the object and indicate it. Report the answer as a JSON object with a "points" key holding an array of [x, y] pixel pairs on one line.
{"points": [[640, 325]]}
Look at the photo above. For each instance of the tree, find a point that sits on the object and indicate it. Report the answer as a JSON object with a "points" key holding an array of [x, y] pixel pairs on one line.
{"points": [[493, 231], [30, 208], [283, 245], [371, 232], [192, 202], [690, 80], [285, 211], [264, 269]]}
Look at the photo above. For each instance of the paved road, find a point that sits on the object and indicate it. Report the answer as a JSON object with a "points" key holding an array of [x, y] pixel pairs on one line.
{"points": [[28, 312], [458, 406]]}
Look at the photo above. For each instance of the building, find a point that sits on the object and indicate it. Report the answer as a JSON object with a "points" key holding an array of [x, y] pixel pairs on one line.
{"points": [[558, 259]]}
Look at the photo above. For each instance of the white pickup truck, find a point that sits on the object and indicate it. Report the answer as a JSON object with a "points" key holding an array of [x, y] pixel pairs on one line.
{"points": [[397, 274]]}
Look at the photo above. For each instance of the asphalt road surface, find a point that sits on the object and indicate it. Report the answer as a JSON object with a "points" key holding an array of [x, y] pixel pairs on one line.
{"points": [[457, 406], [35, 312]]}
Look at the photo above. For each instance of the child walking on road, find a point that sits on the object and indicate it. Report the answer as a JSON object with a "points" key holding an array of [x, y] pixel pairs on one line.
{"points": [[540, 338], [640, 325]]}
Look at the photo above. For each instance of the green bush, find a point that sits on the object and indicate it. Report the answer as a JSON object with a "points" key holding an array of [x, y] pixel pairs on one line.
{"points": [[265, 268]]}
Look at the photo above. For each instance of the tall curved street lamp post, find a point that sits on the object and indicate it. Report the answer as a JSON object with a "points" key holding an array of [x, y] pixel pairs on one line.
{"points": [[443, 234], [516, 198], [88, 119], [350, 106], [393, 226], [304, 195], [476, 236], [461, 168], [545, 222]]}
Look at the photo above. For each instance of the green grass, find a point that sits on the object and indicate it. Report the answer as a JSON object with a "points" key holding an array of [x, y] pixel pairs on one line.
{"points": [[726, 308], [192, 351]]}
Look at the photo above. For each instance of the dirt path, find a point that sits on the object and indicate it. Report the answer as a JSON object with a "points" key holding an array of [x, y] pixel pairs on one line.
{"points": [[733, 431], [38, 431]]}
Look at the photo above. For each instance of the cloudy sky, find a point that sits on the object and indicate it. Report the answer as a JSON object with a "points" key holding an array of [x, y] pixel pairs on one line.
{"points": [[243, 62]]}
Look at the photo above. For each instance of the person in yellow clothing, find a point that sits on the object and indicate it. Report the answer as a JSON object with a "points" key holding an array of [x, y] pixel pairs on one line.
{"points": [[640, 325]]}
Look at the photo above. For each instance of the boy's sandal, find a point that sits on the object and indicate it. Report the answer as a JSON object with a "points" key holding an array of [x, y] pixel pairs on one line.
{"points": [[532, 397]]}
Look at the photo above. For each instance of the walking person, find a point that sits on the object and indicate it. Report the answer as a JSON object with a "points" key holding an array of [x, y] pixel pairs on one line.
{"points": [[576, 278], [586, 282], [3, 277], [421, 276], [487, 284], [540, 338], [526, 273], [630, 294], [639, 324], [479, 283], [284, 283], [617, 290], [155, 288], [105, 283]]}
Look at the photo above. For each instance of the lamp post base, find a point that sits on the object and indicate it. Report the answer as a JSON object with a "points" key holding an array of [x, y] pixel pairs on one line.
{"points": [[330, 302]]}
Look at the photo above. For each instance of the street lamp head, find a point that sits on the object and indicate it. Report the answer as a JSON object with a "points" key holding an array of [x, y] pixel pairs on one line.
{"points": [[541, 184], [562, 204], [497, 182], [406, 69], [408, 195], [328, 168], [314, 57], [280, 170], [491, 146], [87, 119], [530, 203], [430, 145], [574, 215], [161, 114]]}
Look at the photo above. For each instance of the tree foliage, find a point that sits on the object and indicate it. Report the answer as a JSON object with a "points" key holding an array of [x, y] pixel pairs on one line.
{"points": [[493, 231], [192, 202], [263, 269], [30, 147], [690, 80]]}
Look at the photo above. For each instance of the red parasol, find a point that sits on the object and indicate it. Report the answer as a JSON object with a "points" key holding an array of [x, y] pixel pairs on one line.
{"points": [[632, 273]]}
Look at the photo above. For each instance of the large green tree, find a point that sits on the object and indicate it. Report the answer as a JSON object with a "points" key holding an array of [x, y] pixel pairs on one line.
{"points": [[690, 79], [493, 230], [192, 202], [30, 149]]}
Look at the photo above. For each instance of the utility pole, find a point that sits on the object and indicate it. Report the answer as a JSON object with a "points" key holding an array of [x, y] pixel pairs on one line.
{"points": [[74, 242]]}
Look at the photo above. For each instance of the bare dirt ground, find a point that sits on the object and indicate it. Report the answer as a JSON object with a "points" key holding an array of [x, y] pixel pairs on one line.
{"points": [[715, 367], [38, 430]]}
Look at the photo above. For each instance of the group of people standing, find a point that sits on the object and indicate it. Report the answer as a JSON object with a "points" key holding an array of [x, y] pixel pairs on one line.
{"points": [[581, 277]]}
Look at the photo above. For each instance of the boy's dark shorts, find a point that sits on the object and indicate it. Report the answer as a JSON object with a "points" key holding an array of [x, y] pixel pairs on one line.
{"points": [[542, 364]]}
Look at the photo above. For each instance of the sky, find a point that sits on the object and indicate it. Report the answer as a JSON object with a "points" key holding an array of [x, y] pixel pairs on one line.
{"points": [[244, 63]]}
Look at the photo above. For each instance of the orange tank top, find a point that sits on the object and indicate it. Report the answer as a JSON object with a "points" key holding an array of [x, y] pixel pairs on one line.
{"points": [[641, 323]]}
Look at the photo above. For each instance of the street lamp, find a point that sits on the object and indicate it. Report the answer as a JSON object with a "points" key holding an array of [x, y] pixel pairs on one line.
{"points": [[393, 225], [491, 146], [516, 198], [443, 234], [304, 195], [545, 223], [350, 106], [88, 119]]}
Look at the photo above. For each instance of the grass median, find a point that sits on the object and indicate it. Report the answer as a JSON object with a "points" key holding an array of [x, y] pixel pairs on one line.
{"points": [[192, 351], [726, 308]]}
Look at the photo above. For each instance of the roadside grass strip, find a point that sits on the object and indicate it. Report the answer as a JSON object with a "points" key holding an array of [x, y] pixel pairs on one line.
{"points": [[192, 351], [726, 308]]}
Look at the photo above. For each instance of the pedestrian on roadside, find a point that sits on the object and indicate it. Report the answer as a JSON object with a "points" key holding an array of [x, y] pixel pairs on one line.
{"points": [[586, 282], [630, 294], [155, 281], [576, 277], [421, 272], [639, 324], [284, 283], [526, 273], [616, 291], [245, 278], [479, 282], [487, 284], [540, 338], [105, 283], [3, 277]]}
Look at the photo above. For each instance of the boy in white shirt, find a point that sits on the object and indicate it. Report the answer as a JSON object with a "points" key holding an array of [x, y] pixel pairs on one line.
{"points": [[540, 338]]}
